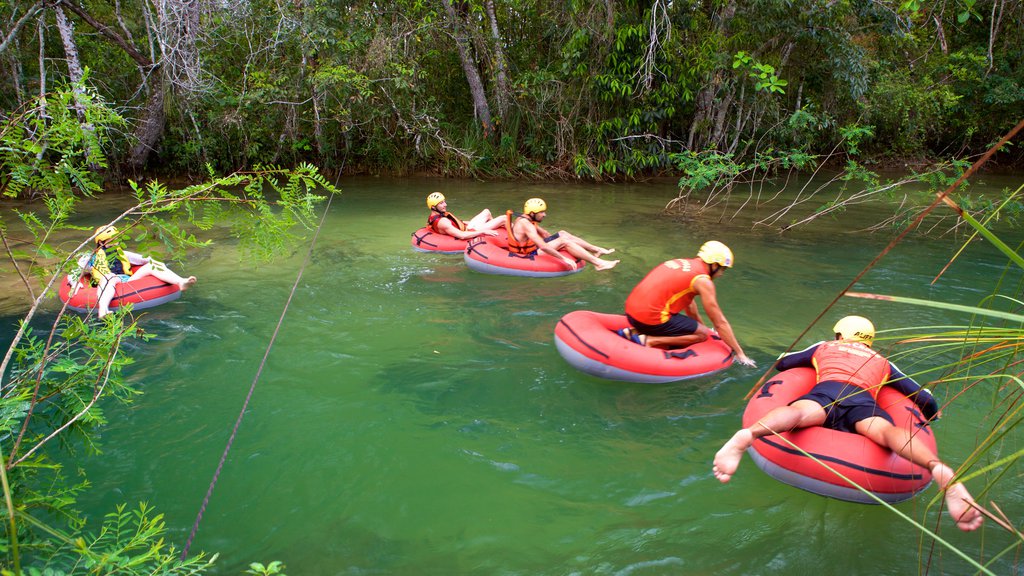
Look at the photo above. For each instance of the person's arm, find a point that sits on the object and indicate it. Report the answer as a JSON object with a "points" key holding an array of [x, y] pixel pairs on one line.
{"points": [[801, 359], [706, 289], [693, 311], [911, 389]]}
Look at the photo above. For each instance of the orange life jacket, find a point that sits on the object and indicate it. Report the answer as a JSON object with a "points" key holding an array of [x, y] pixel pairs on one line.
{"points": [[853, 362], [666, 290], [435, 217], [527, 246]]}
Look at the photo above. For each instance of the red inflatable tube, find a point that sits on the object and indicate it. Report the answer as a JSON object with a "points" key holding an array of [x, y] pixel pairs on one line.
{"points": [[491, 256], [142, 293], [426, 240], [587, 340]]}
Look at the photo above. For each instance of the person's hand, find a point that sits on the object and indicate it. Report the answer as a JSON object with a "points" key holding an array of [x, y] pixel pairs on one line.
{"points": [[569, 262], [745, 360], [489, 233]]}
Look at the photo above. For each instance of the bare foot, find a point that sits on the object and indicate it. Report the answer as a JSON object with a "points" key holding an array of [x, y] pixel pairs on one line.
{"points": [[604, 251], [961, 508], [605, 264], [188, 283], [728, 457]]}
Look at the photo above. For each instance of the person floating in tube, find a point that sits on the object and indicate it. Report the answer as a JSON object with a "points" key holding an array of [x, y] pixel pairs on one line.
{"points": [[526, 236], [111, 264], [849, 375], [444, 222]]}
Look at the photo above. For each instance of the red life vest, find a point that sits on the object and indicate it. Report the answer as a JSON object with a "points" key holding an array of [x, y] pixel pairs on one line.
{"points": [[527, 246], [435, 216], [853, 362], [666, 290]]}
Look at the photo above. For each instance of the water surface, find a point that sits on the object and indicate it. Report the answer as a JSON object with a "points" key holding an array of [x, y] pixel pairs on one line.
{"points": [[414, 417]]}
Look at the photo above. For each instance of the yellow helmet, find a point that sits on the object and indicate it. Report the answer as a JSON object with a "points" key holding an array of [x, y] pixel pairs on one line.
{"points": [[534, 205], [714, 252], [434, 199], [104, 233], [857, 328]]}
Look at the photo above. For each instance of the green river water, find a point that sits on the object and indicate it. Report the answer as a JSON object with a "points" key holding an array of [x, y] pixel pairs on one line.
{"points": [[415, 418]]}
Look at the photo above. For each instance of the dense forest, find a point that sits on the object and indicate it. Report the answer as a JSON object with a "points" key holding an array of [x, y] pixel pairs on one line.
{"points": [[524, 88]]}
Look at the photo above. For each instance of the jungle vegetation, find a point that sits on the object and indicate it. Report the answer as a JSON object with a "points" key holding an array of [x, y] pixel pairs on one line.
{"points": [[526, 88]]}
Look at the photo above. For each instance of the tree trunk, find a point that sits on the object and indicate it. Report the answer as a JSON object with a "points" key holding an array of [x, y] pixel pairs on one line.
{"points": [[705, 124], [502, 91], [481, 110], [67, 36], [150, 126]]}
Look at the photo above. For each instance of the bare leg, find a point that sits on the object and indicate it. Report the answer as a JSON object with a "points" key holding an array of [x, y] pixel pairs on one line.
{"points": [[486, 224], [596, 250], [676, 342], [162, 273], [106, 294], [800, 414], [958, 500], [578, 251]]}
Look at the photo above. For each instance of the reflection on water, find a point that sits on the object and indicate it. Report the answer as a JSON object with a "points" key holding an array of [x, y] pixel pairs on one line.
{"points": [[414, 416]]}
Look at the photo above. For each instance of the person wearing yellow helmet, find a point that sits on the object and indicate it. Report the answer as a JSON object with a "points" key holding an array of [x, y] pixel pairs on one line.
{"points": [[526, 236], [442, 221], [849, 375], [110, 264], [662, 308]]}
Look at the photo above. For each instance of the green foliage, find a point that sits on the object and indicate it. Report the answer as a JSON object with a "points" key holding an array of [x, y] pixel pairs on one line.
{"points": [[765, 79], [257, 569], [372, 88], [46, 148], [55, 386], [127, 542]]}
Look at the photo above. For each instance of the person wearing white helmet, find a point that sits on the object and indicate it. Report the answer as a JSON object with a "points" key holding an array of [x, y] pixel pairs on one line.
{"points": [[110, 264], [442, 221], [526, 236], [662, 308], [849, 375]]}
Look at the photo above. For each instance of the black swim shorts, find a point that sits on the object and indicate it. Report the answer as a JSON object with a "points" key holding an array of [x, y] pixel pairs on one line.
{"points": [[845, 405], [677, 325]]}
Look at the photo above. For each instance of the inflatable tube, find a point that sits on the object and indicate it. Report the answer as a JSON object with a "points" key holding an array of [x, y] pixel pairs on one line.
{"points": [[587, 341], [142, 293], [877, 469], [491, 256], [426, 240]]}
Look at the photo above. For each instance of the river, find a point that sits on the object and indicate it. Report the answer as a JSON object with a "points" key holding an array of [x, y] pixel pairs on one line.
{"points": [[414, 417]]}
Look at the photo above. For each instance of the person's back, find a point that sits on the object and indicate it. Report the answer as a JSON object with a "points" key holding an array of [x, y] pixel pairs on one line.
{"points": [[852, 362], [666, 290]]}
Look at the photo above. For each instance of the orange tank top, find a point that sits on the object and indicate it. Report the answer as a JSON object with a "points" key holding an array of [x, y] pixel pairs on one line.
{"points": [[852, 362], [666, 290]]}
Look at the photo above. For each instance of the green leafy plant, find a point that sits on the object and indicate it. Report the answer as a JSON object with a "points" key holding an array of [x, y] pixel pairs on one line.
{"points": [[57, 380]]}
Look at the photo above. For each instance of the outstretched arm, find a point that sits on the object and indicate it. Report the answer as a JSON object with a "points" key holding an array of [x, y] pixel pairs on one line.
{"points": [[706, 289], [911, 389], [801, 359]]}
